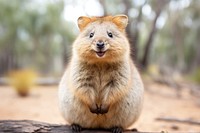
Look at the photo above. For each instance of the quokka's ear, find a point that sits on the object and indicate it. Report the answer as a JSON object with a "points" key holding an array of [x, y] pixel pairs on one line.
{"points": [[83, 21], [121, 21]]}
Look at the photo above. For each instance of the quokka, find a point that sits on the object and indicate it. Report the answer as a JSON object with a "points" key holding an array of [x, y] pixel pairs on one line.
{"points": [[101, 87]]}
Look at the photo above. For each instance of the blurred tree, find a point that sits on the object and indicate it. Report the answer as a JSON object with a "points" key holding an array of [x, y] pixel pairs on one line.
{"points": [[158, 5], [9, 22], [32, 36], [178, 38], [133, 27], [163, 32], [195, 30]]}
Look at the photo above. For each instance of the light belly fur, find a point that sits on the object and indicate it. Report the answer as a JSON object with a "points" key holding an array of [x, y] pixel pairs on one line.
{"points": [[123, 113]]}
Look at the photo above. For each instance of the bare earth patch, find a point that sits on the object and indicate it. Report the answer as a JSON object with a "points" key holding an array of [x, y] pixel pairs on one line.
{"points": [[160, 101]]}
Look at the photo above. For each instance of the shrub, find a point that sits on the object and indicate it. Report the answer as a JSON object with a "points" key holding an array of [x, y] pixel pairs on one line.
{"points": [[22, 81]]}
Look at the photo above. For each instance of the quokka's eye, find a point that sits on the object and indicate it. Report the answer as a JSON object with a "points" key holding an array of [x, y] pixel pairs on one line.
{"points": [[110, 34], [91, 35]]}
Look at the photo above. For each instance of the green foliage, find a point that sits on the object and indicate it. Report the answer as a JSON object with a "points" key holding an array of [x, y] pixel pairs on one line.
{"points": [[35, 34], [196, 75], [28, 28], [176, 43]]}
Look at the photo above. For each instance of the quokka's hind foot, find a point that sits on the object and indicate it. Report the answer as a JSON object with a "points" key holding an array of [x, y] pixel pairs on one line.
{"points": [[76, 128], [117, 130], [134, 130]]}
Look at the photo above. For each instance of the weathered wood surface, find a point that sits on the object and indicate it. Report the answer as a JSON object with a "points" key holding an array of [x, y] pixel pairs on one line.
{"points": [[29, 126]]}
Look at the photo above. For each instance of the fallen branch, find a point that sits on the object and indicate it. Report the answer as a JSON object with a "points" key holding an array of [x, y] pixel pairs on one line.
{"points": [[29, 126], [46, 81], [186, 121], [167, 81]]}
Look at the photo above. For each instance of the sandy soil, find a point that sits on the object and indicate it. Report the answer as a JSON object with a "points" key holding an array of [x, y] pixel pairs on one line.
{"points": [[160, 101]]}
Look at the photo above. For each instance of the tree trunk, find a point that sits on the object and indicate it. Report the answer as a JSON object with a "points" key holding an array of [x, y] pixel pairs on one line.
{"points": [[133, 33], [29, 126], [136, 35], [128, 6], [103, 3], [148, 45], [8, 56], [160, 4], [196, 59]]}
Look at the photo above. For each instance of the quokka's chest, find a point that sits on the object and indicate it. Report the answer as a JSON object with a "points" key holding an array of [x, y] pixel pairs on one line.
{"points": [[100, 78]]}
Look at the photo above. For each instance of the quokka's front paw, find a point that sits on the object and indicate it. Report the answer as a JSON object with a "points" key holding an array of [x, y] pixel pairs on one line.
{"points": [[117, 130], [99, 109], [76, 128]]}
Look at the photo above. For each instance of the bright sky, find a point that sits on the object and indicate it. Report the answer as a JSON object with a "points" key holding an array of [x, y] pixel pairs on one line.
{"points": [[76, 8], [83, 7]]}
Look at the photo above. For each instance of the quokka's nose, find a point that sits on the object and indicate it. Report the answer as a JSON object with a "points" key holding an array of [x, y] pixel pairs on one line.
{"points": [[100, 44]]}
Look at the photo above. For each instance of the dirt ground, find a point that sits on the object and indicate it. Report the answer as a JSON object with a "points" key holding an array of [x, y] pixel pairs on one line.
{"points": [[160, 101]]}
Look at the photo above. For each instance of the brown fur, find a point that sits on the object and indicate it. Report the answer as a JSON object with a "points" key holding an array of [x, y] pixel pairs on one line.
{"points": [[117, 20], [111, 81]]}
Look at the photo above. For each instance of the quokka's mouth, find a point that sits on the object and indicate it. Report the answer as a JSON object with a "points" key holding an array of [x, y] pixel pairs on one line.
{"points": [[100, 53]]}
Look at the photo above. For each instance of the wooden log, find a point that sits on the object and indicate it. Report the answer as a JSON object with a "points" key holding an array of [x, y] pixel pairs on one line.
{"points": [[29, 126]]}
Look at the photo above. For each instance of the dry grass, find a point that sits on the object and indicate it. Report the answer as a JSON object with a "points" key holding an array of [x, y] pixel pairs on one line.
{"points": [[22, 81]]}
